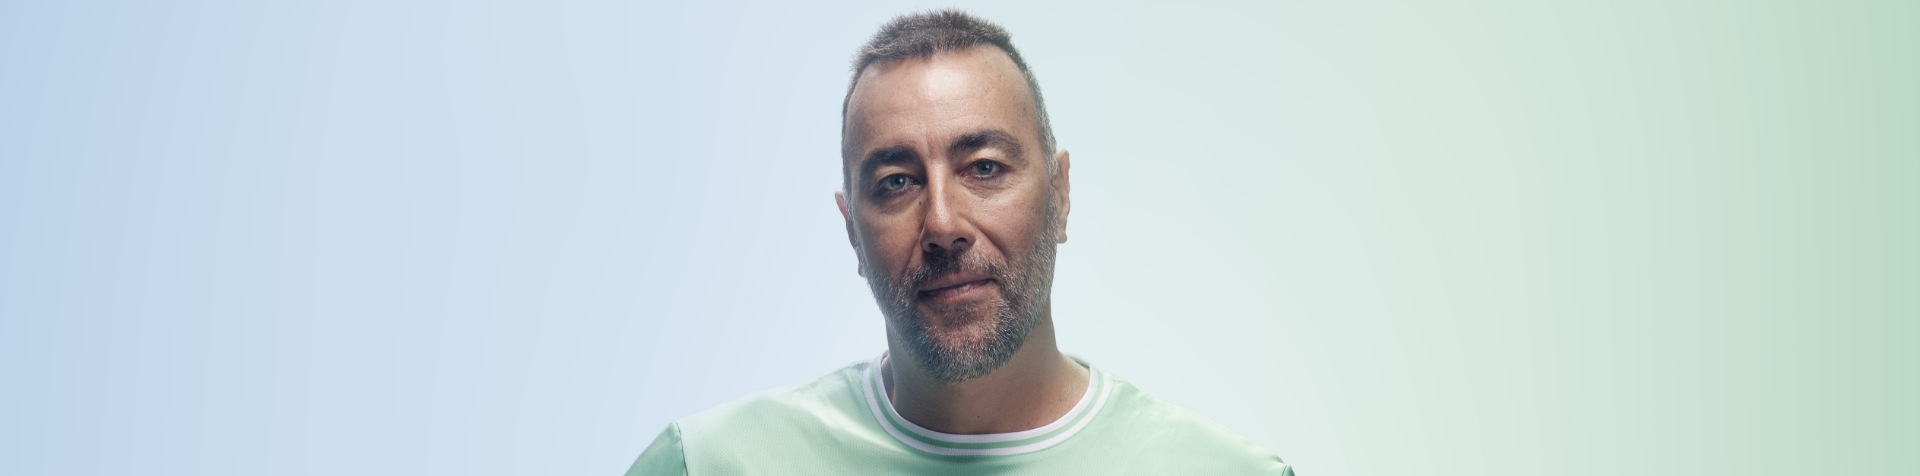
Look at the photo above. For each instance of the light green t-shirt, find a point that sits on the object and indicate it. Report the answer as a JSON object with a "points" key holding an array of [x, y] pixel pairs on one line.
{"points": [[843, 423]]}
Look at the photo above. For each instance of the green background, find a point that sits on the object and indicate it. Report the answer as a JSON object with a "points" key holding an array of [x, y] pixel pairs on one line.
{"points": [[1504, 237]]}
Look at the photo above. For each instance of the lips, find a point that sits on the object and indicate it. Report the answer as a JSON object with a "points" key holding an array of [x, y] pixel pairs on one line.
{"points": [[955, 287]]}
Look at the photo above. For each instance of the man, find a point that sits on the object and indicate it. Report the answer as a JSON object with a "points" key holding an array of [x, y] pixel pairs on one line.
{"points": [[954, 200]]}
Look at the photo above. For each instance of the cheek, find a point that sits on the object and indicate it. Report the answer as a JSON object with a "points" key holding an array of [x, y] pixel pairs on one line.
{"points": [[889, 242], [1013, 227]]}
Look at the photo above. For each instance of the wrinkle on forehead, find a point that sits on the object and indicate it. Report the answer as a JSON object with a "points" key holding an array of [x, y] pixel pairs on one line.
{"points": [[912, 101]]}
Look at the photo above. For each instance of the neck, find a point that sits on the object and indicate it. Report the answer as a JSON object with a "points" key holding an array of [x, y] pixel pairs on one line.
{"points": [[1035, 387]]}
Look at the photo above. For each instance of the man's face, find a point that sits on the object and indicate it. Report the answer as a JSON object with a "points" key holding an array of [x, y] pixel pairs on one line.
{"points": [[950, 206]]}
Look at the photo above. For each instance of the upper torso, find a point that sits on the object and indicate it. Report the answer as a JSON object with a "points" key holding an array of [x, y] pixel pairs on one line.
{"points": [[843, 423]]}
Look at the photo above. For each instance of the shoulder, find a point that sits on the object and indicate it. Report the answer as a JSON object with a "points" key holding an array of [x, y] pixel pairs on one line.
{"points": [[663, 457], [783, 408], [756, 433], [790, 424], [1182, 438]]}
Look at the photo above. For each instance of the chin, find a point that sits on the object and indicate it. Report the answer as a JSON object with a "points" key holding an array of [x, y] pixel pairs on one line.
{"points": [[969, 337], [959, 316]]}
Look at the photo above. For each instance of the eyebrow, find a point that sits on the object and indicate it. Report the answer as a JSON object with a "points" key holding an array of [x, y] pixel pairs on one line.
{"points": [[988, 138], [972, 141], [883, 157]]}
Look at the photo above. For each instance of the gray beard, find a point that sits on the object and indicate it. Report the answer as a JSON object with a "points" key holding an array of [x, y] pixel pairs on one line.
{"points": [[1025, 287]]}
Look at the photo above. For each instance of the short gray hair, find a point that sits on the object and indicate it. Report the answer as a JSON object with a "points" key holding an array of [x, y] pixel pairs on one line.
{"points": [[924, 34]]}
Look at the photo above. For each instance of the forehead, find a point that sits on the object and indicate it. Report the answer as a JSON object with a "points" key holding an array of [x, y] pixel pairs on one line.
{"points": [[921, 102]]}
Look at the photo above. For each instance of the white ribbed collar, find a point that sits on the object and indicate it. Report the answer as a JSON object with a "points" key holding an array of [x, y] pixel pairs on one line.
{"points": [[997, 444]]}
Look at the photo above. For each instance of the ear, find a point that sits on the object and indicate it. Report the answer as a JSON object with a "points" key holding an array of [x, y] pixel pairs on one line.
{"points": [[1062, 188], [860, 265]]}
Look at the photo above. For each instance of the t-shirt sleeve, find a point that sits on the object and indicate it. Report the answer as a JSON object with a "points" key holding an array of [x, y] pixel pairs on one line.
{"points": [[663, 457]]}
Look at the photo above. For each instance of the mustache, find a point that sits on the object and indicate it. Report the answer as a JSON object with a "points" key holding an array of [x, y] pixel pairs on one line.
{"points": [[942, 263]]}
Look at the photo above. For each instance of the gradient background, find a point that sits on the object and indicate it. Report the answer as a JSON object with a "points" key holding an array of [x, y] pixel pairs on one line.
{"points": [[1379, 238]]}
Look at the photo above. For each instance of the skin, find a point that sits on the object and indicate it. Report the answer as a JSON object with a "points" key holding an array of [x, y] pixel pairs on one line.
{"points": [[931, 192]]}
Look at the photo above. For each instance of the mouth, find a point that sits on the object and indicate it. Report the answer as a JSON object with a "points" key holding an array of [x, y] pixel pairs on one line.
{"points": [[955, 289]]}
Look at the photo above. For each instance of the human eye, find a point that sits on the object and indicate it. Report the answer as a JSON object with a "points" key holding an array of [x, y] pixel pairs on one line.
{"points": [[986, 168], [894, 183]]}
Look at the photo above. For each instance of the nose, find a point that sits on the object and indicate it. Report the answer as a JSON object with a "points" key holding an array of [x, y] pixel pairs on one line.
{"points": [[948, 227]]}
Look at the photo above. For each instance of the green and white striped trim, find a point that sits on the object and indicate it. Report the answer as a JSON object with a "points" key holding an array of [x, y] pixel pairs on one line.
{"points": [[997, 444]]}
